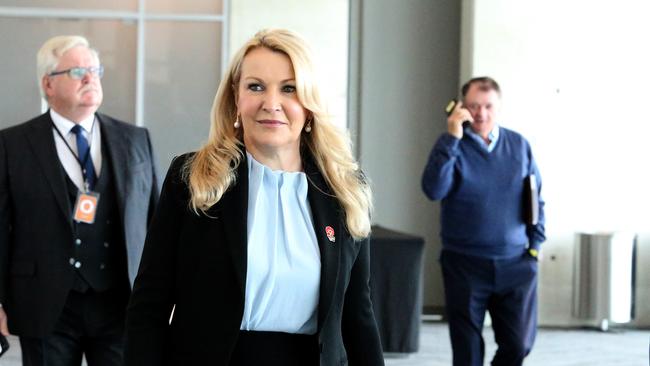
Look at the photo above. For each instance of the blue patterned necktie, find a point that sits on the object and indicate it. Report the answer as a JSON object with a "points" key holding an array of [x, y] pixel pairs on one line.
{"points": [[83, 150]]}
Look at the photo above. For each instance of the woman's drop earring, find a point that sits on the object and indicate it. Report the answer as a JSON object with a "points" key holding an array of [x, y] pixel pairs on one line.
{"points": [[308, 127]]}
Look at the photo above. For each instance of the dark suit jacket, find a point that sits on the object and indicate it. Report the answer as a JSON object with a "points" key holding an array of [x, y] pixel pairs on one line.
{"points": [[36, 229], [197, 263]]}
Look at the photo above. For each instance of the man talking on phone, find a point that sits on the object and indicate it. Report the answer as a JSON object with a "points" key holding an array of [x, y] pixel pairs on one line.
{"points": [[477, 170]]}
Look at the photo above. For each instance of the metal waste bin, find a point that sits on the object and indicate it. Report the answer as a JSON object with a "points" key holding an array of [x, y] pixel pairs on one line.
{"points": [[604, 278]]}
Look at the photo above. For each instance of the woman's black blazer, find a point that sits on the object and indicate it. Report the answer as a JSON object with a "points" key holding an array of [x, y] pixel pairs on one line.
{"points": [[196, 265]]}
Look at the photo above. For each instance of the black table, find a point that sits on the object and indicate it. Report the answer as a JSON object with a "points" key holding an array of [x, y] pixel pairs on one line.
{"points": [[396, 290]]}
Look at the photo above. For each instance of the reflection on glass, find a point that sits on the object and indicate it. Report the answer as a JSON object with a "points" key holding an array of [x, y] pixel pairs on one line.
{"points": [[181, 81], [213, 7], [121, 5], [115, 41]]}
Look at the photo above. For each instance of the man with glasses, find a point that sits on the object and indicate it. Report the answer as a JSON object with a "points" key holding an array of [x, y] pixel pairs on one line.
{"points": [[77, 191]]}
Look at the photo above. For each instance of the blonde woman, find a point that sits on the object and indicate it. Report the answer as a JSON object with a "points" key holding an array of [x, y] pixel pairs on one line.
{"points": [[260, 242]]}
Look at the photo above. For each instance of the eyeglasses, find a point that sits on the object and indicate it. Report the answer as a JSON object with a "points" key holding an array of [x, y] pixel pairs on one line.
{"points": [[79, 73]]}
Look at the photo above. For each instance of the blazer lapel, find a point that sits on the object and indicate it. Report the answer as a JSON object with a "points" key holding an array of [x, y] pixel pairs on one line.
{"points": [[234, 212], [325, 210], [42, 142], [113, 141]]}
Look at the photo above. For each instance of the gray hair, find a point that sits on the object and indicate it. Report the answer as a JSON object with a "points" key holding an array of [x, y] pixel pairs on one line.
{"points": [[51, 51]]}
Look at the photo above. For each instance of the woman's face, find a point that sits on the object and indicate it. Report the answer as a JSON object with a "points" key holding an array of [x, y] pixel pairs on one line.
{"points": [[272, 117]]}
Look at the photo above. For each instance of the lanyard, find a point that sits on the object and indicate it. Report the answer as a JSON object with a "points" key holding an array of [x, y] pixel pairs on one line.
{"points": [[76, 156]]}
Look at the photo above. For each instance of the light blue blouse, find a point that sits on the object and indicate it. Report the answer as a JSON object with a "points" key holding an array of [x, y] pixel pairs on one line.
{"points": [[283, 275]]}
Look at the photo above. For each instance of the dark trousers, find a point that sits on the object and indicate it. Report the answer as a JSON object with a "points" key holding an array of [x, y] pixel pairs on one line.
{"points": [[91, 323], [507, 288], [275, 349]]}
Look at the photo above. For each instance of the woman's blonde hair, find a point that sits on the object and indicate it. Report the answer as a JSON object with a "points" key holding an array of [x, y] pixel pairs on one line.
{"points": [[213, 168]]}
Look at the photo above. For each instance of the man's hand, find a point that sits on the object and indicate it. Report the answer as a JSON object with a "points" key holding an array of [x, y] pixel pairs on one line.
{"points": [[4, 329], [456, 119]]}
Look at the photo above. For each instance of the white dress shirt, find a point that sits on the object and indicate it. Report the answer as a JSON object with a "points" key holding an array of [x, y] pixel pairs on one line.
{"points": [[68, 160]]}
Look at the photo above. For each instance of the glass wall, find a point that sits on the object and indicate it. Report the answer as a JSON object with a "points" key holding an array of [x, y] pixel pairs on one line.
{"points": [[181, 81]]}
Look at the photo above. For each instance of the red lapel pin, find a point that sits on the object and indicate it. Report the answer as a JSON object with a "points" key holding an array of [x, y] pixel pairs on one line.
{"points": [[330, 233]]}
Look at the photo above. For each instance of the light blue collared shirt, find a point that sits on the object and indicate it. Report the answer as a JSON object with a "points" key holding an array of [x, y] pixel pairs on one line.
{"points": [[283, 273], [493, 136]]}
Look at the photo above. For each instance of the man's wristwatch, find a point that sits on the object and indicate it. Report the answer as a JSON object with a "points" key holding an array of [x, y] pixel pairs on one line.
{"points": [[533, 252]]}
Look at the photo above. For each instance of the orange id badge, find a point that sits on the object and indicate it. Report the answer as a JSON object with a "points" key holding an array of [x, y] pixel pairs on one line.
{"points": [[85, 208]]}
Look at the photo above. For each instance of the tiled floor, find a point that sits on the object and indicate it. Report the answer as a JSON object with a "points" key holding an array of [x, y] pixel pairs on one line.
{"points": [[554, 347]]}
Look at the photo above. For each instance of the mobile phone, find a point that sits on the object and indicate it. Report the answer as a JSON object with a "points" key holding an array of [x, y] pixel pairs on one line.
{"points": [[450, 108], [4, 345]]}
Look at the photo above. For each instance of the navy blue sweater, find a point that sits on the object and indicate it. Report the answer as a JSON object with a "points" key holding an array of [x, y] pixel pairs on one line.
{"points": [[482, 195]]}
